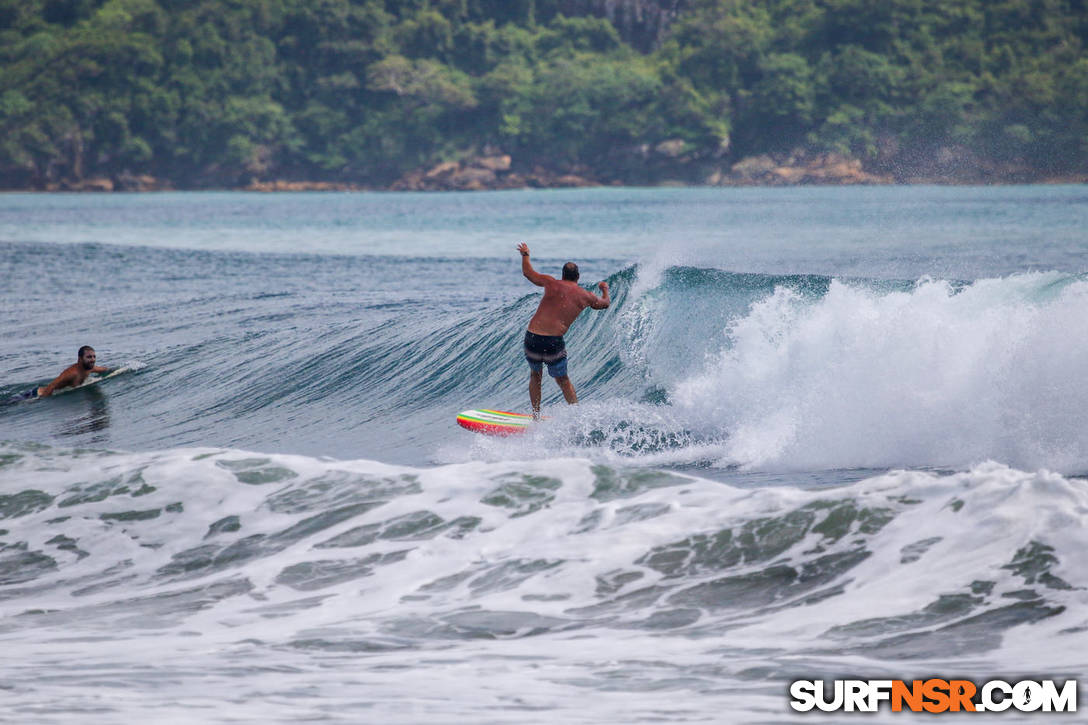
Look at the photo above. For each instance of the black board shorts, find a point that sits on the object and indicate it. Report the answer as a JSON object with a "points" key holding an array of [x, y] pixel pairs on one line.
{"points": [[28, 395], [550, 349]]}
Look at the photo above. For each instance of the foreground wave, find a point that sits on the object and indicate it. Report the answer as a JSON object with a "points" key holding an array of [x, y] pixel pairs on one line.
{"points": [[312, 573]]}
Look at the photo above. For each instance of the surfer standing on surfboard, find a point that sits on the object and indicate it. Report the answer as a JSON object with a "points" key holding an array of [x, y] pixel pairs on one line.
{"points": [[73, 375], [563, 301]]}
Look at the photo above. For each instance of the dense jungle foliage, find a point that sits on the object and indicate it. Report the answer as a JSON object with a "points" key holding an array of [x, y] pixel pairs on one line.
{"points": [[220, 92]]}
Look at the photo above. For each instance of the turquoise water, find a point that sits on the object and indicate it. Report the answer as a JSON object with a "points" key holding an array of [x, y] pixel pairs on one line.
{"points": [[959, 232], [822, 430]]}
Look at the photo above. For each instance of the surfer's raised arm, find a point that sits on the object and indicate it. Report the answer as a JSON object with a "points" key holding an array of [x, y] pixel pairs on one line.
{"points": [[602, 302], [527, 268]]}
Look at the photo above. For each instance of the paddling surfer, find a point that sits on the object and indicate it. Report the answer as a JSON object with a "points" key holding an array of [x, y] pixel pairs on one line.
{"points": [[563, 301], [72, 377]]}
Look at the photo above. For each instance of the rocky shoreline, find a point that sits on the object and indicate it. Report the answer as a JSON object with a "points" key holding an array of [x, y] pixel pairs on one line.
{"points": [[499, 172]]}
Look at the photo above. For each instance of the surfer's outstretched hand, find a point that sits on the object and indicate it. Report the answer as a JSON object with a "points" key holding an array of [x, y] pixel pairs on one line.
{"points": [[603, 287], [524, 249]]}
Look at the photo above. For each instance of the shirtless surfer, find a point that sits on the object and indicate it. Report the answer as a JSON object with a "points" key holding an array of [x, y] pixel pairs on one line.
{"points": [[563, 301], [72, 377]]}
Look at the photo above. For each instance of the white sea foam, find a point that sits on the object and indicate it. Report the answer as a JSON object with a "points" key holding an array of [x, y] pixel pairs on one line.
{"points": [[938, 375], [572, 590]]}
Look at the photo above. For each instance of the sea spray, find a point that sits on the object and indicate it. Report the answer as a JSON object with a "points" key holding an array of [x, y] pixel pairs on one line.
{"points": [[939, 375]]}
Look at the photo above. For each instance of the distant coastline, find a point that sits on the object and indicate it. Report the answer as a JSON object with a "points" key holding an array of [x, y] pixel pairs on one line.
{"points": [[502, 94], [498, 172]]}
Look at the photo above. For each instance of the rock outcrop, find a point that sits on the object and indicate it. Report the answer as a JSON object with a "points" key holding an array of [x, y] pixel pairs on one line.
{"points": [[486, 172], [280, 185], [94, 183], [140, 182], [122, 182], [795, 170], [671, 162]]}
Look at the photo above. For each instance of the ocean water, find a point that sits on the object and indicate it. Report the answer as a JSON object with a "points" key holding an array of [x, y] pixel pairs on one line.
{"points": [[824, 432]]}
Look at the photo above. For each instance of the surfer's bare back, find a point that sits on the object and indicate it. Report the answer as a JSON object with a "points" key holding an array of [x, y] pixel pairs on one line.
{"points": [[563, 301]]}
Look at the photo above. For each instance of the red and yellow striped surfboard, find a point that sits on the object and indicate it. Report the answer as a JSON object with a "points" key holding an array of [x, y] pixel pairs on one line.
{"points": [[494, 422]]}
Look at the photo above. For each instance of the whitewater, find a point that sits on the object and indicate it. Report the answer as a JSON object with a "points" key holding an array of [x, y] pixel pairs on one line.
{"points": [[824, 433]]}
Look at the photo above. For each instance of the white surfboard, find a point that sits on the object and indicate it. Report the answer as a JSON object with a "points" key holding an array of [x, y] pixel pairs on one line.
{"points": [[91, 380]]}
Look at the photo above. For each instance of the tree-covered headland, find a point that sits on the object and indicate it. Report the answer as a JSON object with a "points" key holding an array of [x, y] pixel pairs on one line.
{"points": [[479, 93]]}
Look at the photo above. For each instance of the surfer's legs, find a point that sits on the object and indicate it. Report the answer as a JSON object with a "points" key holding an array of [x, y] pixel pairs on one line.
{"points": [[535, 376], [568, 389], [28, 395], [534, 390], [539, 350]]}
